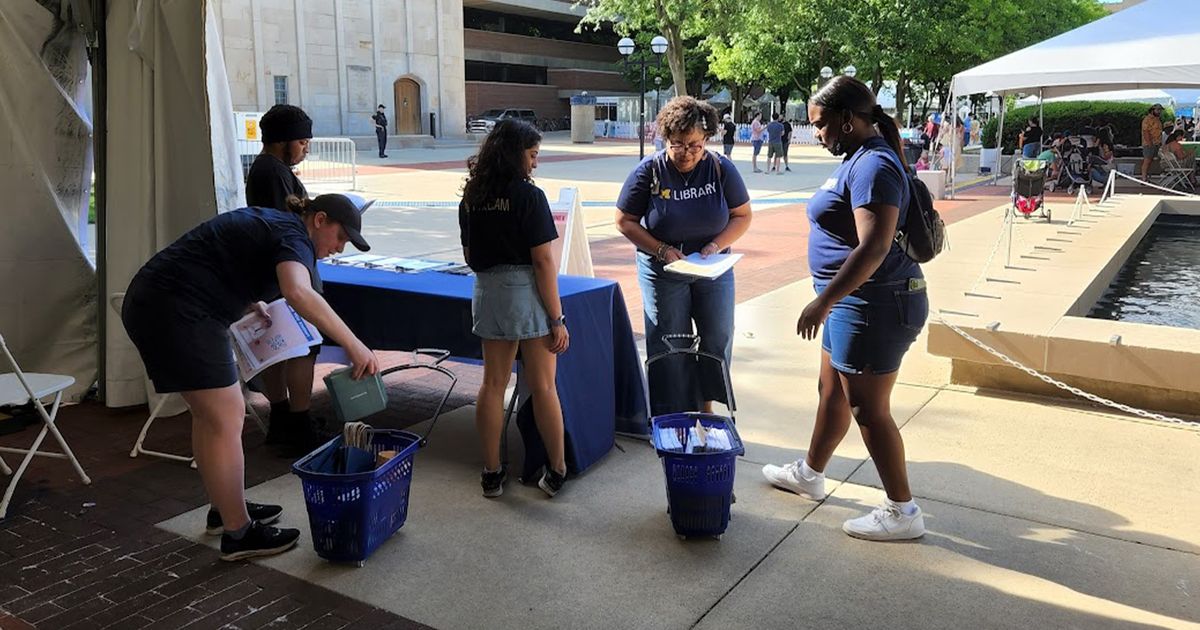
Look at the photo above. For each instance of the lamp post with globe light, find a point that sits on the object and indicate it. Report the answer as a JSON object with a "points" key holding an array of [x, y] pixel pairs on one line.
{"points": [[626, 47]]}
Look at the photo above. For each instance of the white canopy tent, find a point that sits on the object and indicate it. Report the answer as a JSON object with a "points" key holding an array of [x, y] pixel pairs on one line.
{"points": [[1155, 44], [160, 134]]}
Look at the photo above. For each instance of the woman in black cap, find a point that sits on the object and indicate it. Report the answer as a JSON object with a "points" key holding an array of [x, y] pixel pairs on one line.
{"points": [[178, 309], [286, 131]]}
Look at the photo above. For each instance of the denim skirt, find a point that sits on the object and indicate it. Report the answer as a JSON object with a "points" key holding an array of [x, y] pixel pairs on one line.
{"points": [[506, 304], [870, 330]]}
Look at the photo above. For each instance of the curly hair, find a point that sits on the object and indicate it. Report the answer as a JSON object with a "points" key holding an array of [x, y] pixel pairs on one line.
{"points": [[501, 159], [684, 114]]}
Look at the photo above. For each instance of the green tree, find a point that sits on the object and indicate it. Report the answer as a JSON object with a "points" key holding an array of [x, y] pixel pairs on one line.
{"points": [[677, 20]]}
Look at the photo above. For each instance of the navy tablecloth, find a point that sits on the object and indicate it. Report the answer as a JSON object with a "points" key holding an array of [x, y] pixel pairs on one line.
{"points": [[600, 383]]}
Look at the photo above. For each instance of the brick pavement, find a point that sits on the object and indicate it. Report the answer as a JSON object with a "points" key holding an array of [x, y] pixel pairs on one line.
{"points": [[74, 556]]}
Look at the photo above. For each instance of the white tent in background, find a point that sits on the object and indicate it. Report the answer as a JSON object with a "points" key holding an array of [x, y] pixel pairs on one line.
{"points": [[1119, 96], [1155, 44]]}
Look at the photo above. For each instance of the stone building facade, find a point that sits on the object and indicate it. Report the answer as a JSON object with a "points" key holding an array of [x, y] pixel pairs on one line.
{"points": [[339, 59]]}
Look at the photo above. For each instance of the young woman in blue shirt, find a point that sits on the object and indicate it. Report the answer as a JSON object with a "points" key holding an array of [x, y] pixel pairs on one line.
{"points": [[870, 306]]}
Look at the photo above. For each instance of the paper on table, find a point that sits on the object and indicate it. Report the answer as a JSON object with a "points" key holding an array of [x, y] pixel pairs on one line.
{"points": [[710, 267]]}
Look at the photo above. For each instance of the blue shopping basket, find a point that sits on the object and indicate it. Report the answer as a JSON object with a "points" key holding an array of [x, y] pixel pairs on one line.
{"points": [[699, 484], [352, 513], [354, 507]]}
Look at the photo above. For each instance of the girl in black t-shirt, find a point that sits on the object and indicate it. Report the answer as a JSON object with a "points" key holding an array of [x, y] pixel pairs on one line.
{"points": [[507, 231]]}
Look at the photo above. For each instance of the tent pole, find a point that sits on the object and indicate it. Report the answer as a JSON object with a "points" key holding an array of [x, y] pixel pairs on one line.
{"points": [[1000, 145], [954, 131], [100, 162], [1041, 117]]}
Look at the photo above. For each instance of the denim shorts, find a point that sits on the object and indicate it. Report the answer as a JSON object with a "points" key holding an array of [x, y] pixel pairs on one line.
{"points": [[869, 330], [506, 304]]}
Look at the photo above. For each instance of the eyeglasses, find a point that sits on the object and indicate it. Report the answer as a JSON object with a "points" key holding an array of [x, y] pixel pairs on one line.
{"points": [[694, 147]]}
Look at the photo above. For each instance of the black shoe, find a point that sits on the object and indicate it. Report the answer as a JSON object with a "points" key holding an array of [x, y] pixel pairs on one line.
{"points": [[260, 540], [300, 436], [382, 156], [259, 513], [493, 482], [551, 482]]}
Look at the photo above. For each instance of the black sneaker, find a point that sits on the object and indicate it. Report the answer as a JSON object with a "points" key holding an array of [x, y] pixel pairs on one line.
{"points": [[551, 482], [260, 540], [259, 513], [493, 482]]}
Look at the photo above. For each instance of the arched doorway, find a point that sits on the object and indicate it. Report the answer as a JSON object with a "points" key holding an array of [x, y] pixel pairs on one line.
{"points": [[408, 106]]}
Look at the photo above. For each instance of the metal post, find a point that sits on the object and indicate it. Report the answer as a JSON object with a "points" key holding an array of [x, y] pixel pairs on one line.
{"points": [[1000, 146], [1041, 119], [99, 60], [642, 112]]}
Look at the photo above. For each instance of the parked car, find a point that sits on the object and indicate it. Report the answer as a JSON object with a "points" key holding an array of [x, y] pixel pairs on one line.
{"points": [[484, 122]]}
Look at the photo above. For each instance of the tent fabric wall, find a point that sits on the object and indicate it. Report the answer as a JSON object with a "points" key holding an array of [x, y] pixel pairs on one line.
{"points": [[171, 164], [48, 301]]}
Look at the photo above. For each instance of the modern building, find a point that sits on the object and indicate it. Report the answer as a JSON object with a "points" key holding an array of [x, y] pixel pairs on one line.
{"points": [[339, 59], [526, 53], [432, 63]]}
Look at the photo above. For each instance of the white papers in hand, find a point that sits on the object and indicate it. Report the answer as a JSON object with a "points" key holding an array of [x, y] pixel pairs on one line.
{"points": [[260, 343], [712, 267]]}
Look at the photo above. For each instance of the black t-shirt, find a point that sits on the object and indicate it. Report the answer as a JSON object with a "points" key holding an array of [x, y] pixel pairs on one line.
{"points": [[269, 183], [730, 131], [1033, 133], [381, 120], [503, 232], [787, 132], [227, 263]]}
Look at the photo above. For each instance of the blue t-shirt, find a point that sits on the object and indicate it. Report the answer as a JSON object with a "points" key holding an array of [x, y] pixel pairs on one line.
{"points": [[684, 210], [872, 175], [227, 263], [775, 132]]}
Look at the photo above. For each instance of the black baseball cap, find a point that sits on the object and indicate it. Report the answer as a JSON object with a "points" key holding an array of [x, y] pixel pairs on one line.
{"points": [[347, 210]]}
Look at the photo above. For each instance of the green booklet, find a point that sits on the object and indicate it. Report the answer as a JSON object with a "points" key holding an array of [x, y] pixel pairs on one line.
{"points": [[354, 400]]}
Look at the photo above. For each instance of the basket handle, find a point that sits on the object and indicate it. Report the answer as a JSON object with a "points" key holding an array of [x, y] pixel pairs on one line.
{"points": [[439, 355], [693, 348]]}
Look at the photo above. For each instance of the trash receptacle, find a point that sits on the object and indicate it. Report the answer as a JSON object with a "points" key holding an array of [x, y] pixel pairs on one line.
{"points": [[583, 118]]}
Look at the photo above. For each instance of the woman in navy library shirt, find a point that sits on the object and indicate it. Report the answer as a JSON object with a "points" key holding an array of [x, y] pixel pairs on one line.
{"points": [[680, 201], [871, 304]]}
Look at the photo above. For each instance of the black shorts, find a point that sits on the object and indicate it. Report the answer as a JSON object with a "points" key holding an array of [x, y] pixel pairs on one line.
{"points": [[183, 347]]}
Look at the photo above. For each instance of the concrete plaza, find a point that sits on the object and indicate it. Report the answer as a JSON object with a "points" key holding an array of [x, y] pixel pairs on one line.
{"points": [[1042, 513]]}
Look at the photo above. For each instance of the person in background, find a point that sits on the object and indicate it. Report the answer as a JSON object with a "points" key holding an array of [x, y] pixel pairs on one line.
{"points": [[774, 144], [729, 133], [923, 162], [286, 132], [756, 140], [178, 310], [1101, 163], [507, 233], [1030, 138], [685, 200], [381, 129], [871, 304], [787, 142], [1151, 137], [1174, 145]]}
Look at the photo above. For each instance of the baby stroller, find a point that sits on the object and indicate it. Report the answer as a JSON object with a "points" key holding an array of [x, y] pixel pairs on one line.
{"points": [[1074, 172], [1029, 187]]}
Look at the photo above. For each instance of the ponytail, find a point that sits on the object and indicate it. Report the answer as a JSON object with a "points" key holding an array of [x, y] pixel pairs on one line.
{"points": [[298, 205], [891, 133]]}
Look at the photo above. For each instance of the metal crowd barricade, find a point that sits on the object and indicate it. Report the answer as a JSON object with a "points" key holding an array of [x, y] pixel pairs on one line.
{"points": [[330, 161]]}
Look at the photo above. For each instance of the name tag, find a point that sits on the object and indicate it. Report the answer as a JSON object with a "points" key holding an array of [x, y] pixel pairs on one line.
{"points": [[829, 184]]}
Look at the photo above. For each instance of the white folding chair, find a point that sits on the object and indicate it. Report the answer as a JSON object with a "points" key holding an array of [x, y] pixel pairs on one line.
{"points": [[116, 301], [18, 388]]}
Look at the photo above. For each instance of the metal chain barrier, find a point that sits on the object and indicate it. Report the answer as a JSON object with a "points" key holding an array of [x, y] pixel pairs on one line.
{"points": [[1149, 415]]}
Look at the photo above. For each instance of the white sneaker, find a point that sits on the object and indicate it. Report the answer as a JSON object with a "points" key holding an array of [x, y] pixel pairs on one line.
{"points": [[791, 478], [887, 522]]}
